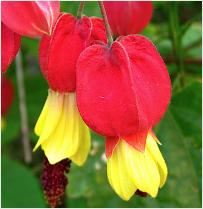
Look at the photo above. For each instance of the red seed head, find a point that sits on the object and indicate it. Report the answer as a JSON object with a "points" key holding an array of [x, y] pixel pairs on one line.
{"points": [[54, 181], [128, 17]]}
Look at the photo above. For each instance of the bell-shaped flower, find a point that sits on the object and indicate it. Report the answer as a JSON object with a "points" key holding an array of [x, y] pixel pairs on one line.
{"points": [[10, 44], [30, 18], [128, 17], [122, 92], [61, 130]]}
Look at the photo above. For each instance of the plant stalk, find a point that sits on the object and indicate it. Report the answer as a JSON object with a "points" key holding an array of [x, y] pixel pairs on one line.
{"points": [[23, 110], [106, 23], [80, 9]]}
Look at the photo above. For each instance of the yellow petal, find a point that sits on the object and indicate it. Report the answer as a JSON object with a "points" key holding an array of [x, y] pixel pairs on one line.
{"points": [[118, 176], [41, 120], [141, 169], [153, 148], [53, 114], [50, 116], [70, 137], [84, 146], [129, 169]]}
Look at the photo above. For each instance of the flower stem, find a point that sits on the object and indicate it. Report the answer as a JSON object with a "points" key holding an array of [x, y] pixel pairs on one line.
{"points": [[23, 110], [80, 9], [106, 23], [175, 31]]}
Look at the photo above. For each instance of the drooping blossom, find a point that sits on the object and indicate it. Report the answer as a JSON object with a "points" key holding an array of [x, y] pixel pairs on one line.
{"points": [[30, 18], [61, 130], [122, 92], [128, 17]]}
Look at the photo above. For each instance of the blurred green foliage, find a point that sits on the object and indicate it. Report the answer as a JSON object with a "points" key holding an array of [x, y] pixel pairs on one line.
{"points": [[176, 31]]}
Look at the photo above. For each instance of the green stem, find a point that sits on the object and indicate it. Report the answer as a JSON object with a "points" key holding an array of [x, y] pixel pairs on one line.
{"points": [[106, 23], [175, 31], [80, 9], [23, 110]]}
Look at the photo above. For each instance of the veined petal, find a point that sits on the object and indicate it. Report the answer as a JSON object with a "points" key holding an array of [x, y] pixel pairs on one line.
{"points": [[118, 176], [129, 169], [80, 156], [49, 117], [157, 156], [41, 120], [142, 169], [70, 137]]}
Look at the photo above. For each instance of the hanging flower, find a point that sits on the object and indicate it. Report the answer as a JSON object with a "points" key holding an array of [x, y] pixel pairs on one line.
{"points": [[10, 44], [128, 17], [122, 92], [62, 132], [30, 18]]}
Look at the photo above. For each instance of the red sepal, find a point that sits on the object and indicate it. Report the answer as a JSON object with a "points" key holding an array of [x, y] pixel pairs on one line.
{"points": [[59, 52], [98, 31], [137, 140], [124, 89], [110, 144], [128, 17], [10, 44], [30, 18]]}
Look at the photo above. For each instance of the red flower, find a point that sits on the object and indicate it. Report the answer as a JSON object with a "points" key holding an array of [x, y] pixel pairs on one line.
{"points": [[31, 18], [61, 130], [59, 52], [128, 17], [124, 90], [10, 44], [7, 92]]}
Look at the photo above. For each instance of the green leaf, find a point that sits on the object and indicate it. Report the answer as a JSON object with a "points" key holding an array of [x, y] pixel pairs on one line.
{"points": [[19, 187], [193, 34], [180, 134]]}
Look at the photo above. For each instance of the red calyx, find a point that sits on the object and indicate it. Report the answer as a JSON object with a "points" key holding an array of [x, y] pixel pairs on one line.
{"points": [[30, 18], [124, 90], [128, 17], [7, 92], [58, 53], [10, 44]]}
